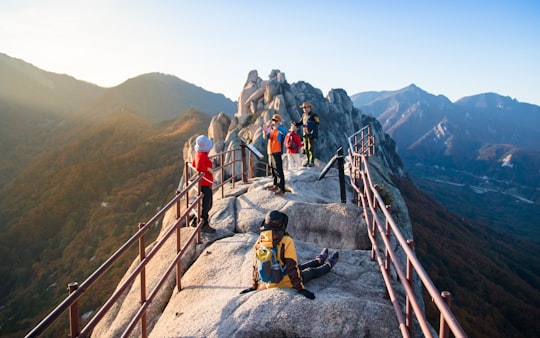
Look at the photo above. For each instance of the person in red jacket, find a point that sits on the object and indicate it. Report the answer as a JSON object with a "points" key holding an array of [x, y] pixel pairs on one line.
{"points": [[293, 145], [202, 163]]}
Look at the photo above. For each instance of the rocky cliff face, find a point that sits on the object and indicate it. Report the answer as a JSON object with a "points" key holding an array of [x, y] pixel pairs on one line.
{"points": [[260, 99]]}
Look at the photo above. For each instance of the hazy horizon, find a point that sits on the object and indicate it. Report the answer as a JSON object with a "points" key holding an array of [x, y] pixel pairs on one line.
{"points": [[457, 49]]}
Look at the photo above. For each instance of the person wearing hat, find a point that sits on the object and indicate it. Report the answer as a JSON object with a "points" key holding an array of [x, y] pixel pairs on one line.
{"points": [[293, 143], [274, 235], [275, 133], [202, 163], [310, 123]]}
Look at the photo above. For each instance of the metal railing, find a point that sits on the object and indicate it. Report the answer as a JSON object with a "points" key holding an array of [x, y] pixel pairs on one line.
{"points": [[226, 167], [381, 225]]}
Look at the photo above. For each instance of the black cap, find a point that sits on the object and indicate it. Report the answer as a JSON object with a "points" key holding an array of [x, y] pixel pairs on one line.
{"points": [[275, 220]]}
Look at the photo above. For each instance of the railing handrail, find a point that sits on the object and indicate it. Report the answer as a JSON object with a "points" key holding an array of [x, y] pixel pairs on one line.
{"points": [[360, 149], [76, 291]]}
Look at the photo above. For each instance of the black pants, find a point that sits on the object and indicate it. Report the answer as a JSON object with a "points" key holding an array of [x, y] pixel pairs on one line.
{"points": [[276, 167], [313, 269], [206, 203]]}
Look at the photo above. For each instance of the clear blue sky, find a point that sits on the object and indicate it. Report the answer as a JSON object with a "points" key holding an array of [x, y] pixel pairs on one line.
{"points": [[454, 48]]}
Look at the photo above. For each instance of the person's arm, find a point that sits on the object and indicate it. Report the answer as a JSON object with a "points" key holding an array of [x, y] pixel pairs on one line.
{"points": [[291, 264], [266, 130]]}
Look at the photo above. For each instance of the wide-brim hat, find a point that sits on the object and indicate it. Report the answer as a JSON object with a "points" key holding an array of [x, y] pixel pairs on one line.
{"points": [[306, 104]]}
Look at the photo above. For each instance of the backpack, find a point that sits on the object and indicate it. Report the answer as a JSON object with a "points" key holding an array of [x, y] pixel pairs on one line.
{"points": [[281, 137], [269, 268], [290, 141], [270, 271]]}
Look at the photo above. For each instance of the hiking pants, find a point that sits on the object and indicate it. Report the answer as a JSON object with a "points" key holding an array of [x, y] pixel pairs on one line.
{"points": [[206, 202], [276, 167], [309, 147], [313, 269]]}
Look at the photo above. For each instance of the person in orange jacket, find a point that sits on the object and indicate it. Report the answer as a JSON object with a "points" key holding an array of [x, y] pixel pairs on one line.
{"points": [[276, 136], [202, 163], [274, 235]]}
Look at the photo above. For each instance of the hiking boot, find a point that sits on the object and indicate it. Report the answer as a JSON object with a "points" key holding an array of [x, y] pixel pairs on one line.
{"points": [[193, 222], [306, 164], [322, 256], [274, 188], [208, 229], [332, 260], [280, 193], [311, 164]]}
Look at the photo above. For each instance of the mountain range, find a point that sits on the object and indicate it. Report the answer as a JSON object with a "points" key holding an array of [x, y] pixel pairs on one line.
{"points": [[479, 151], [81, 165]]}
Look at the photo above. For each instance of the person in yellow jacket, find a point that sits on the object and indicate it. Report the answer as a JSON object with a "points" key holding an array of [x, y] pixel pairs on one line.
{"points": [[273, 235]]}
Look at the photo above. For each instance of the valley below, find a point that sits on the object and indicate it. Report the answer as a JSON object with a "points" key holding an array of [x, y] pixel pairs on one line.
{"points": [[506, 207]]}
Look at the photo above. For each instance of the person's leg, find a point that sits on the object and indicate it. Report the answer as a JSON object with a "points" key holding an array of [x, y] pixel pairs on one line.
{"points": [[280, 174], [290, 161], [206, 206], [309, 150], [296, 158], [273, 171], [305, 140], [314, 272], [206, 203], [312, 143]]}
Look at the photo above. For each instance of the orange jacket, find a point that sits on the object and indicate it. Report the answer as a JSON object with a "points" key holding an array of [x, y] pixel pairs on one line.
{"points": [[275, 140]]}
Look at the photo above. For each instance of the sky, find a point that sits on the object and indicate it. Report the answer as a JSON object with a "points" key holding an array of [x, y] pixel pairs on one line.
{"points": [[451, 48]]}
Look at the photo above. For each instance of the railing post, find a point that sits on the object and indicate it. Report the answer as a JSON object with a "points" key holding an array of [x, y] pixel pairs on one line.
{"points": [[179, 263], [73, 312], [244, 162], [222, 159], [142, 256], [341, 171], [178, 206], [443, 326], [233, 167], [388, 260], [251, 169], [410, 280], [199, 214], [186, 180]]}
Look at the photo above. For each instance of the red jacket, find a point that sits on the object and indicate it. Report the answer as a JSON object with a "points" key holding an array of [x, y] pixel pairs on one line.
{"points": [[202, 163], [293, 143]]}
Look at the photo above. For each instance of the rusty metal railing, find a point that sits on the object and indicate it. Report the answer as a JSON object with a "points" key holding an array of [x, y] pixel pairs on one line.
{"points": [[227, 161], [381, 225]]}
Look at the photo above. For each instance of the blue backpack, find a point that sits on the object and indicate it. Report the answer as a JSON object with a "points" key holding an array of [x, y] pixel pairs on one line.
{"points": [[281, 137], [269, 268], [270, 271]]}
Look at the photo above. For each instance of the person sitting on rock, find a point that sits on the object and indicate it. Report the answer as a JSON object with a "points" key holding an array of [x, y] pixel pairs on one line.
{"points": [[274, 243]]}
